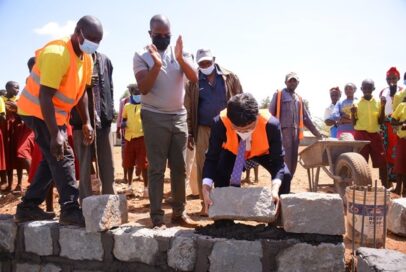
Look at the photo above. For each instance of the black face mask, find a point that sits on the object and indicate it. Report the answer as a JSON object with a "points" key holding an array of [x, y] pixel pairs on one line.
{"points": [[393, 90], [161, 43]]}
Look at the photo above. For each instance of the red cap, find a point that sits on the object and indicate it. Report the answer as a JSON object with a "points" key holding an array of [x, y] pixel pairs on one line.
{"points": [[393, 70]]}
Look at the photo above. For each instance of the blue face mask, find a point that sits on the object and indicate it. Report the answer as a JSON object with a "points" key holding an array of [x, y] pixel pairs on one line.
{"points": [[136, 98], [88, 46]]}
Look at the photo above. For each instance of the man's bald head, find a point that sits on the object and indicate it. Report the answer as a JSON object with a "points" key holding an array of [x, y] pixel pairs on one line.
{"points": [[159, 19], [90, 27]]}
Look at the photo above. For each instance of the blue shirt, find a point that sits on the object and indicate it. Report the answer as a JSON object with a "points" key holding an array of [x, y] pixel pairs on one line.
{"points": [[212, 99], [343, 108]]}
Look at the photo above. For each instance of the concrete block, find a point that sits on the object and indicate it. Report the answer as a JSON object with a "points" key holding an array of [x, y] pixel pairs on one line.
{"points": [[26, 267], [380, 260], [183, 253], [252, 204], [318, 213], [37, 237], [103, 212], [236, 256], [77, 244], [51, 268], [397, 216], [8, 233], [308, 258], [135, 244]]}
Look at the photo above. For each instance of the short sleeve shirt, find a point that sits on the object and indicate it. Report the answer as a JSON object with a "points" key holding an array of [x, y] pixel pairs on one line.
{"points": [[400, 115], [132, 112], [368, 115]]}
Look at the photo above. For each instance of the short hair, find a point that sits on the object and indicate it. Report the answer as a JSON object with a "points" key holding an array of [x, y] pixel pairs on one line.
{"points": [[10, 84], [404, 76], [242, 109], [352, 85], [335, 89], [31, 62], [158, 19]]}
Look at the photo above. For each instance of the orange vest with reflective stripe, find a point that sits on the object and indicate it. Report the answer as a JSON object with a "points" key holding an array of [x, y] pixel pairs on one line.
{"points": [[259, 138], [68, 93], [278, 112]]}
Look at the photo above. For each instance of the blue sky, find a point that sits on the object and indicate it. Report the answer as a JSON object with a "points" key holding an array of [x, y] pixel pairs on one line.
{"points": [[328, 43]]}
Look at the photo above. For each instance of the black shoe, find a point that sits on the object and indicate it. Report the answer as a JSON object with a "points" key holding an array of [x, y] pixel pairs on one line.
{"points": [[31, 212], [72, 216]]}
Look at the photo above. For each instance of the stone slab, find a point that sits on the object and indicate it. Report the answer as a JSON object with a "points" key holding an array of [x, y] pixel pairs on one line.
{"points": [[317, 213], [236, 256], [380, 260], [135, 244], [103, 212], [26, 267], [37, 237], [77, 244], [8, 233], [183, 253], [397, 216], [311, 258], [251, 204]]}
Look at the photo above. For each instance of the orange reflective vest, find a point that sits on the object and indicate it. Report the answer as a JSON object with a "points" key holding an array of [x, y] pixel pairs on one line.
{"points": [[278, 112], [68, 93], [259, 138]]}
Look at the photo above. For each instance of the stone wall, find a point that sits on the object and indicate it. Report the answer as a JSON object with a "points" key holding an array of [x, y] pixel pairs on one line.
{"points": [[47, 246]]}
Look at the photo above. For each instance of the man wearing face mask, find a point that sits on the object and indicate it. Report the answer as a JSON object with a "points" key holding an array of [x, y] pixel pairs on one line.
{"points": [[239, 133], [204, 100], [57, 83], [101, 109], [160, 70], [389, 136]]}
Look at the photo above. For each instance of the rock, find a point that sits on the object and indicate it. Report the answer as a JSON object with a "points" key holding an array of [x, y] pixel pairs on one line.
{"points": [[77, 244], [305, 257], [8, 233], [50, 268], [318, 213], [397, 216], [135, 244], [39, 233], [252, 204], [380, 260], [183, 253], [236, 256], [103, 212], [26, 267]]}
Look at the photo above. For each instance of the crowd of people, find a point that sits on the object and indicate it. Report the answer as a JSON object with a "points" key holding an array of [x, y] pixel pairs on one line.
{"points": [[185, 112]]}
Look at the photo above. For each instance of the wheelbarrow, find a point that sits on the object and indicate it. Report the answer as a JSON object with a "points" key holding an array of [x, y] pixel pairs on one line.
{"points": [[340, 160]]}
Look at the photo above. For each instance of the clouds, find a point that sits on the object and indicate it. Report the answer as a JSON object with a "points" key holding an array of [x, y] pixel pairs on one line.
{"points": [[55, 30]]}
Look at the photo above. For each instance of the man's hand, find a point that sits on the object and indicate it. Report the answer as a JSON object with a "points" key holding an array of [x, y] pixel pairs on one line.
{"points": [[58, 145], [155, 55], [118, 133], [11, 106], [190, 142], [383, 101], [403, 126], [88, 134], [206, 197], [353, 109], [179, 48]]}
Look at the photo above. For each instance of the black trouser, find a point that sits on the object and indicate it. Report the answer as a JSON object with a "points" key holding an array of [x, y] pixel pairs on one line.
{"points": [[49, 170], [226, 164]]}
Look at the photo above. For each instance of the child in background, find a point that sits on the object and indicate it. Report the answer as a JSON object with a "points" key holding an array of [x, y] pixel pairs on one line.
{"points": [[335, 95], [399, 119], [342, 111], [134, 148], [367, 116], [3, 168]]}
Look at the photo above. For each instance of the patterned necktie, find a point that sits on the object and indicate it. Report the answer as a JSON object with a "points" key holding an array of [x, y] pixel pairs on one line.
{"points": [[235, 179]]}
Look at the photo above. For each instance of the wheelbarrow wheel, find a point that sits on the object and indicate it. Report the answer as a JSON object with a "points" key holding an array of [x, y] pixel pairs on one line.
{"points": [[353, 169]]}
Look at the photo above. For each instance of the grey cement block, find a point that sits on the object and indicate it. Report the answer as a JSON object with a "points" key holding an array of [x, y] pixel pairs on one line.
{"points": [[37, 237], [103, 212], [397, 216], [135, 244], [318, 213], [308, 258], [183, 253], [77, 244], [380, 260], [8, 233], [50, 268], [252, 204], [236, 256], [26, 267]]}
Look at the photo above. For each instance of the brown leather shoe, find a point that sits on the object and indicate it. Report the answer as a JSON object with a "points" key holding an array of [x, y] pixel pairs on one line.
{"points": [[184, 221]]}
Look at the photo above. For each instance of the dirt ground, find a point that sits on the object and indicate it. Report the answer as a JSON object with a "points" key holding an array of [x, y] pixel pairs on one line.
{"points": [[139, 207]]}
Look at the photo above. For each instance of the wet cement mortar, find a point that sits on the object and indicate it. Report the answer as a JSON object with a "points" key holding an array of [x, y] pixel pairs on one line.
{"points": [[240, 231]]}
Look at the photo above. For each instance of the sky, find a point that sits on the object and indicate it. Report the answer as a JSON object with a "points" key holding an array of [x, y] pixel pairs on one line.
{"points": [[327, 43]]}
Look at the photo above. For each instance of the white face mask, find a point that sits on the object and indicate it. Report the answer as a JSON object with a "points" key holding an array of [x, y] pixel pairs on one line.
{"points": [[245, 135], [88, 46], [207, 71]]}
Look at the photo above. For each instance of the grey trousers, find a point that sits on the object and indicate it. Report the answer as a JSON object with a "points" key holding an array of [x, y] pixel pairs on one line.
{"points": [[165, 139], [290, 142], [202, 144], [84, 154]]}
